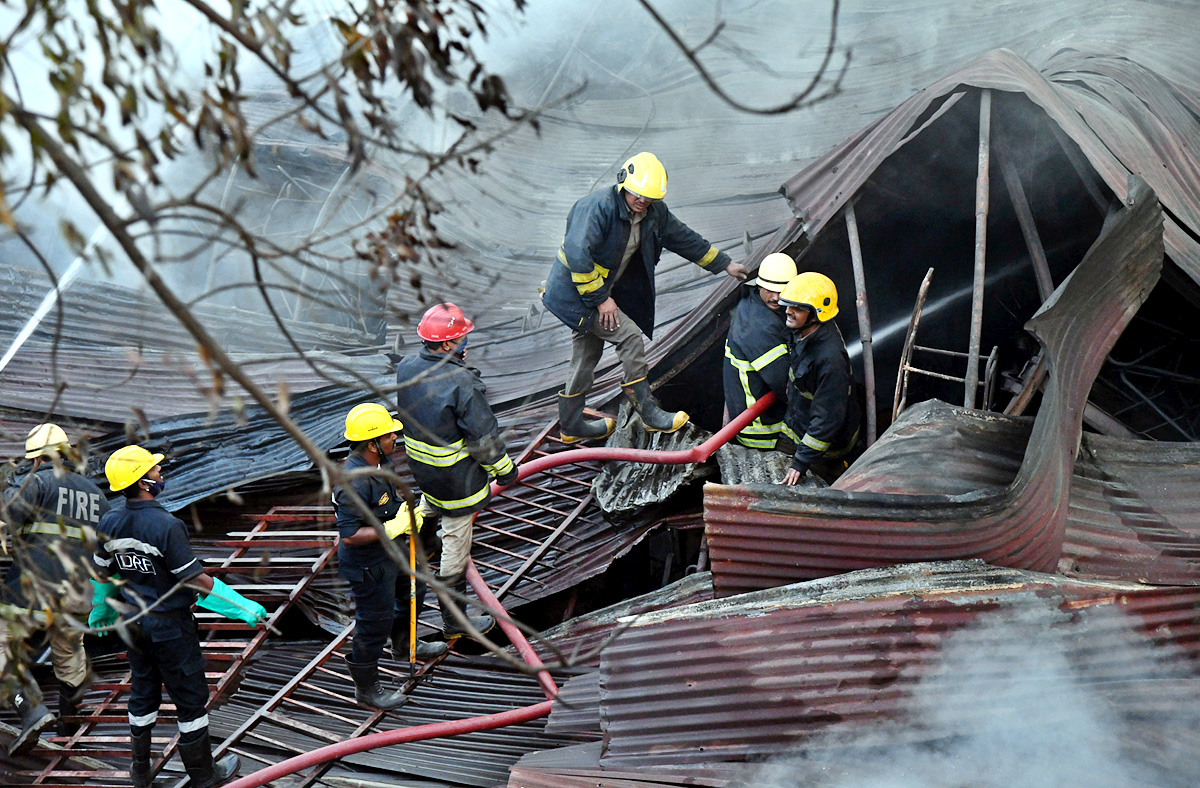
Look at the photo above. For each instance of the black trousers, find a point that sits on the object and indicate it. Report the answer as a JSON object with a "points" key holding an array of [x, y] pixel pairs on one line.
{"points": [[167, 652], [380, 603]]}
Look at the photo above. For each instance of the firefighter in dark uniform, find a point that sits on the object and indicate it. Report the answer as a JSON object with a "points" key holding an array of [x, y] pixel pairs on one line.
{"points": [[756, 354], [602, 287], [381, 608], [822, 408], [453, 444], [145, 556], [52, 515]]}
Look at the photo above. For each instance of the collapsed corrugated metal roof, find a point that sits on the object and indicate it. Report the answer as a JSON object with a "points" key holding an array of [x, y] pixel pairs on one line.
{"points": [[763, 536]]}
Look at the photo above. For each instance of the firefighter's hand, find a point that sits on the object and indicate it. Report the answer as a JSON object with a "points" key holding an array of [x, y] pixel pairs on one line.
{"points": [[509, 477], [793, 476], [608, 315], [737, 271]]}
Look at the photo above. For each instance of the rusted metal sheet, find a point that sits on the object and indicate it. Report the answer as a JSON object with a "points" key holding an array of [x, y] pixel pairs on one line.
{"points": [[761, 536], [756, 675]]}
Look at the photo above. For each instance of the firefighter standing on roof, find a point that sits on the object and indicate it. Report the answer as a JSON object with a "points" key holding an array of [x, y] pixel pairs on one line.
{"points": [[145, 549], [756, 354], [52, 515], [381, 608], [602, 287], [453, 443], [822, 408]]}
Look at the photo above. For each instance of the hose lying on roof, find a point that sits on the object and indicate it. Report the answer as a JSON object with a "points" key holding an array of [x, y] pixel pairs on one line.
{"points": [[488, 722]]}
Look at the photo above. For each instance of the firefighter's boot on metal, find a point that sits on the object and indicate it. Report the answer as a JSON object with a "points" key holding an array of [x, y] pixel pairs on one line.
{"points": [[69, 698], [368, 689], [35, 718], [196, 754], [573, 427], [451, 627], [139, 769], [653, 417], [426, 650]]}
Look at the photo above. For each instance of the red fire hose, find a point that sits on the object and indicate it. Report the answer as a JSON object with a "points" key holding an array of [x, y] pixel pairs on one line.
{"points": [[488, 722]]}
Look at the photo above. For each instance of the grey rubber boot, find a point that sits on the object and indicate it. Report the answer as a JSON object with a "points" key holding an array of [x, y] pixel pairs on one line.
{"points": [[653, 417], [573, 427], [35, 718], [368, 689], [426, 650], [450, 626], [139, 769], [204, 772]]}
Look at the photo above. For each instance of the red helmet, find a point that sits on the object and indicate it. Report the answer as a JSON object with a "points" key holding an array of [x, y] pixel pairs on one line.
{"points": [[444, 322]]}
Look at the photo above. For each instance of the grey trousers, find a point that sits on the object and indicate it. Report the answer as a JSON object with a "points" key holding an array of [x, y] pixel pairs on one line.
{"points": [[587, 346]]}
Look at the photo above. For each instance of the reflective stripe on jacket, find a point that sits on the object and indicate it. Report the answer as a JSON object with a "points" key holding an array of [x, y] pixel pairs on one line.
{"points": [[598, 228], [756, 361], [821, 408], [451, 436]]}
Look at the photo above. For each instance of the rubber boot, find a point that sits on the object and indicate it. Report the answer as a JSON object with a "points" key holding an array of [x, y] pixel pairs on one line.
{"points": [[69, 697], [654, 418], [425, 650], [139, 769], [197, 758], [573, 427], [35, 718], [450, 626], [369, 691]]}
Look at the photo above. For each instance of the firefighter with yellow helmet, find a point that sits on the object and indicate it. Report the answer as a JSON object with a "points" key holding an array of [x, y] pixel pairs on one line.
{"points": [[380, 592], [602, 287], [822, 408], [144, 555], [52, 516]]}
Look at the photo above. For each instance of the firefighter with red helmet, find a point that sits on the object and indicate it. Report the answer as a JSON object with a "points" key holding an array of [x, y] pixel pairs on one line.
{"points": [[453, 443]]}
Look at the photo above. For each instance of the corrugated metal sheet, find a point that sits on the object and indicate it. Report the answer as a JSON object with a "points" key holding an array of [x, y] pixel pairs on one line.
{"points": [[763, 536], [1125, 118], [751, 676]]}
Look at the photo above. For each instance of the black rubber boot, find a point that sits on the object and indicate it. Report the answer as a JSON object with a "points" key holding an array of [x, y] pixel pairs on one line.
{"points": [[654, 418], [573, 427], [69, 697], [425, 650], [139, 769], [35, 718], [369, 691], [197, 758], [450, 626]]}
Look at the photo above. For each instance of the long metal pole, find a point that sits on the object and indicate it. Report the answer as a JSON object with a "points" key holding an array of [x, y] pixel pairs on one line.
{"points": [[1033, 241], [864, 319], [981, 215]]}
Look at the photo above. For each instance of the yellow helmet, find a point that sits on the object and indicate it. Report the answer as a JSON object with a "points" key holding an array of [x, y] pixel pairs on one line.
{"points": [[126, 465], [370, 420], [644, 174], [775, 271], [812, 290], [46, 440]]}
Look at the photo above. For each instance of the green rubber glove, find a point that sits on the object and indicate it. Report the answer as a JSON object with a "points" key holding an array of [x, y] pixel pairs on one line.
{"points": [[229, 603], [102, 614]]}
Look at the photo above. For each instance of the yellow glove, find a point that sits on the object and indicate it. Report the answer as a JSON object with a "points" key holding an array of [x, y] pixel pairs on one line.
{"points": [[398, 525]]}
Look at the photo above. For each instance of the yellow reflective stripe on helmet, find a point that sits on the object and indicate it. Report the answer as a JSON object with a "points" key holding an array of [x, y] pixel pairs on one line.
{"points": [[500, 466], [438, 456], [58, 529], [460, 503], [813, 443], [709, 257], [766, 358]]}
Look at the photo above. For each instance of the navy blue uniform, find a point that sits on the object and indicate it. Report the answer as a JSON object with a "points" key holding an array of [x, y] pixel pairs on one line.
{"points": [[821, 408], [598, 228], [451, 436], [52, 511], [148, 548], [373, 576], [756, 361]]}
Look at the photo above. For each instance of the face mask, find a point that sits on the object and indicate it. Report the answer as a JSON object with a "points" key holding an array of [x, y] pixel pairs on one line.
{"points": [[156, 487], [461, 352]]}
